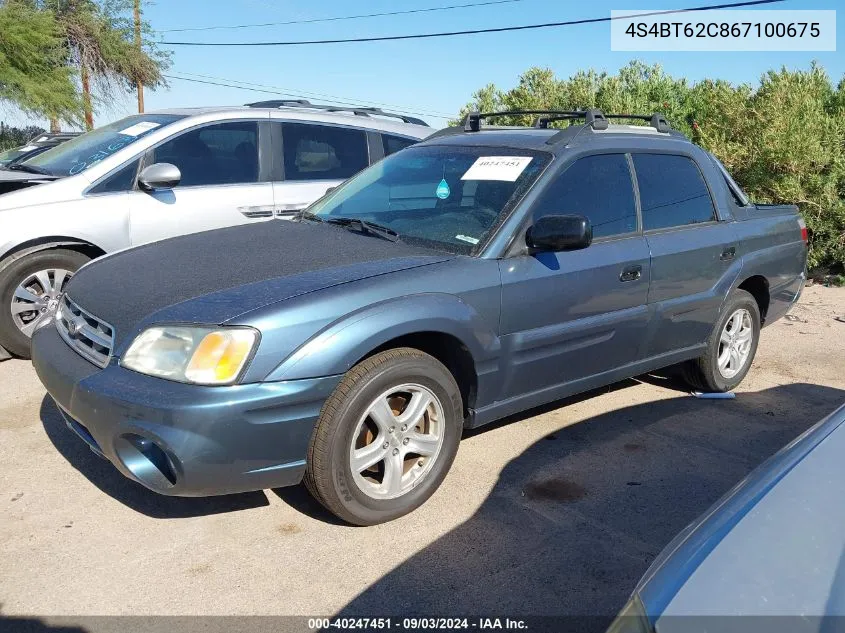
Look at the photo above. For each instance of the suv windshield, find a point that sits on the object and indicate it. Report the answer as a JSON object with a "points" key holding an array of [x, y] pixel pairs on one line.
{"points": [[80, 153], [443, 197]]}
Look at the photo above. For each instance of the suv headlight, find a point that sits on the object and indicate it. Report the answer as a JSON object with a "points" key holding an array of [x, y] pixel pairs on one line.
{"points": [[199, 355], [632, 618]]}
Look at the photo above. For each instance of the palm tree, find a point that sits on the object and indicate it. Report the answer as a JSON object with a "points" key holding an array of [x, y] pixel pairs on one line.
{"points": [[100, 43]]}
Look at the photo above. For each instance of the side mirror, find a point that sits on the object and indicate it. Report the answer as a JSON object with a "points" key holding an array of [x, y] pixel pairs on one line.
{"points": [[159, 176], [560, 233]]}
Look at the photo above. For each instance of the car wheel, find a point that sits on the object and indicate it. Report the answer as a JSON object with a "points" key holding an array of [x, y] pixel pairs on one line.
{"points": [[730, 348], [386, 437], [31, 288]]}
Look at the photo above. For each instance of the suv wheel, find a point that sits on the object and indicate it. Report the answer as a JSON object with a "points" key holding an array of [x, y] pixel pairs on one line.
{"points": [[731, 347], [31, 288], [386, 437]]}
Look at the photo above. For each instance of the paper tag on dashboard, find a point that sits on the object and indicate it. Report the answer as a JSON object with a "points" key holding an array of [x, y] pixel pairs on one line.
{"points": [[507, 168], [139, 128], [28, 148]]}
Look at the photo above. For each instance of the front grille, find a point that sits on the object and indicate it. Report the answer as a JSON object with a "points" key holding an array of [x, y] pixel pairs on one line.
{"points": [[88, 335]]}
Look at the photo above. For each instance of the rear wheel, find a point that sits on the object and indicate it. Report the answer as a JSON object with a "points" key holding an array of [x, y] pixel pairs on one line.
{"points": [[731, 347], [30, 291], [386, 437]]}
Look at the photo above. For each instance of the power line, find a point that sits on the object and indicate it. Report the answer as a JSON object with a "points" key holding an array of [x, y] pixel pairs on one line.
{"points": [[526, 27], [339, 18], [311, 94], [291, 94]]}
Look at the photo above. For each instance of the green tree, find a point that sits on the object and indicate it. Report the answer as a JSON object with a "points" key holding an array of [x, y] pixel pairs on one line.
{"points": [[33, 75], [99, 41]]}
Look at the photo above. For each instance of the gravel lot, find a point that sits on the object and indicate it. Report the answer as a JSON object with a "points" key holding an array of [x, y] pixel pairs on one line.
{"points": [[555, 512]]}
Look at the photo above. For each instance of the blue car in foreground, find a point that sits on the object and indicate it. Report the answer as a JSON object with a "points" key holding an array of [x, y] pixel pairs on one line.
{"points": [[472, 276], [773, 546]]}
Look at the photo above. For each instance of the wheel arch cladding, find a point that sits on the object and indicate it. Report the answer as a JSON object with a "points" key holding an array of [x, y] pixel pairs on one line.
{"points": [[758, 287], [441, 325], [50, 243]]}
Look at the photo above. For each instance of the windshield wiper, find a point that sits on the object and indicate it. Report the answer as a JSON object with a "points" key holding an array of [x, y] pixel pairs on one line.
{"points": [[370, 228], [30, 169]]}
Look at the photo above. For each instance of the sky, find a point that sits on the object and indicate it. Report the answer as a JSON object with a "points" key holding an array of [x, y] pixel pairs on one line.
{"points": [[432, 77]]}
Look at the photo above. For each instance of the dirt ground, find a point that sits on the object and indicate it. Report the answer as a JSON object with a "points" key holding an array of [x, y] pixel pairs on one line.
{"points": [[558, 511]]}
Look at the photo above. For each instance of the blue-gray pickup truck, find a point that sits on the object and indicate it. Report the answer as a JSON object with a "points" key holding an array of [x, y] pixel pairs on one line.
{"points": [[477, 274]]}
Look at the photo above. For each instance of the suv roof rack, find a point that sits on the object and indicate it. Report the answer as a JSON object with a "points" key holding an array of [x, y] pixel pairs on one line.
{"points": [[593, 117], [357, 110]]}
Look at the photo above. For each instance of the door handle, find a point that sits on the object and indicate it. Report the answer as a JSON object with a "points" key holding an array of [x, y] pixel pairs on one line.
{"points": [[728, 253], [631, 273]]}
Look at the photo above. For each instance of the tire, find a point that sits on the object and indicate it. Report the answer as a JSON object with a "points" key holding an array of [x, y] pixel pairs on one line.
{"points": [[704, 373], [19, 270], [347, 427]]}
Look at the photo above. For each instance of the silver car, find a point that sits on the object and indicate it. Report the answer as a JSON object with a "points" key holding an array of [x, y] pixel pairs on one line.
{"points": [[773, 546], [158, 175]]}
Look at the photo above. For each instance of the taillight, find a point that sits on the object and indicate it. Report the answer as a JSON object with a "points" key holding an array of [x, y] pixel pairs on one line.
{"points": [[803, 226]]}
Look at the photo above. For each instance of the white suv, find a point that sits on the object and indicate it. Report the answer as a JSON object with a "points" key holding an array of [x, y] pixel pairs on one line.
{"points": [[152, 176]]}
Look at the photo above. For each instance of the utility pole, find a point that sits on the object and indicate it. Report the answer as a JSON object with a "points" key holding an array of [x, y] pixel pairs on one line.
{"points": [[138, 83]]}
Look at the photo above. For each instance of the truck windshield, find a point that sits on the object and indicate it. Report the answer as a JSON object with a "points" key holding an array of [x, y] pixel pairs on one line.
{"points": [[80, 153], [444, 197]]}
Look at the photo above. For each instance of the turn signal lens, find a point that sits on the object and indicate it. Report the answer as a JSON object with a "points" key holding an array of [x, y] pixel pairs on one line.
{"points": [[220, 356]]}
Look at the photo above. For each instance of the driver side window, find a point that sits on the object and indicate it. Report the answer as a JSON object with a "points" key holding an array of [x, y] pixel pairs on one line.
{"points": [[598, 187], [219, 154]]}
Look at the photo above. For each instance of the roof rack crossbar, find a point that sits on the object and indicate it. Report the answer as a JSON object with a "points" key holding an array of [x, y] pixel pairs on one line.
{"points": [[357, 110], [472, 121], [656, 120]]}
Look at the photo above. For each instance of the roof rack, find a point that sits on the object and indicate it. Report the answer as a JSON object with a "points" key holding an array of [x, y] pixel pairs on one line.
{"points": [[593, 117], [357, 110]]}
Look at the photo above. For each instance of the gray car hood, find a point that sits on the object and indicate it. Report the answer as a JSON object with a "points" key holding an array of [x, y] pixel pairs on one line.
{"points": [[214, 276]]}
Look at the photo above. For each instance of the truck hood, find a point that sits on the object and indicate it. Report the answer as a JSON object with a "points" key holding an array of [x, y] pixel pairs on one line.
{"points": [[214, 276]]}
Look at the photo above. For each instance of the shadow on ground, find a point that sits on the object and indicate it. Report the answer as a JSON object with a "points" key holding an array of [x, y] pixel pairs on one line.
{"points": [[576, 519], [106, 477]]}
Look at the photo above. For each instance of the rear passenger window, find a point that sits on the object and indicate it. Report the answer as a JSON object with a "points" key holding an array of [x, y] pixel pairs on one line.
{"points": [[672, 191], [393, 144], [322, 152], [598, 187]]}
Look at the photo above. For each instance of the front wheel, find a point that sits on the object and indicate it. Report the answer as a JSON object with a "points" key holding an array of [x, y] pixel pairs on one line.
{"points": [[731, 347], [31, 288], [386, 437]]}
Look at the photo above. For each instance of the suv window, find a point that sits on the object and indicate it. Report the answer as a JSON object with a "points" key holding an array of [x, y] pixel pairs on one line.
{"points": [[323, 152], [122, 180], [672, 191], [219, 154], [393, 144], [598, 187]]}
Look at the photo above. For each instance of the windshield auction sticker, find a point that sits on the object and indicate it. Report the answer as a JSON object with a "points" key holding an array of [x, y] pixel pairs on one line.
{"points": [[139, 128], [507, 168], [723, 30]]}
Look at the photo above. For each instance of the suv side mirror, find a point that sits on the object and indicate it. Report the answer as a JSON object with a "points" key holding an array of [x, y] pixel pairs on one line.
{"points": [[560, 233], [159, 176]]}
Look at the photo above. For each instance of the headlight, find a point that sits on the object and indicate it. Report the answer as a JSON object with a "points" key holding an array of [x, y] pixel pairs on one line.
{"points": [[632, 619], [201, 355]]}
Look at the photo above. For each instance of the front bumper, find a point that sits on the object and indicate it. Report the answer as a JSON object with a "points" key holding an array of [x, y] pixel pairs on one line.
{"points": [[179, 439]]}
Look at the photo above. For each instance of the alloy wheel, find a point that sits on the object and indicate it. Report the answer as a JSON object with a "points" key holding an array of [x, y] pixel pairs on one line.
{"points": [[37, 298], [735, 343], [397, 441]]}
